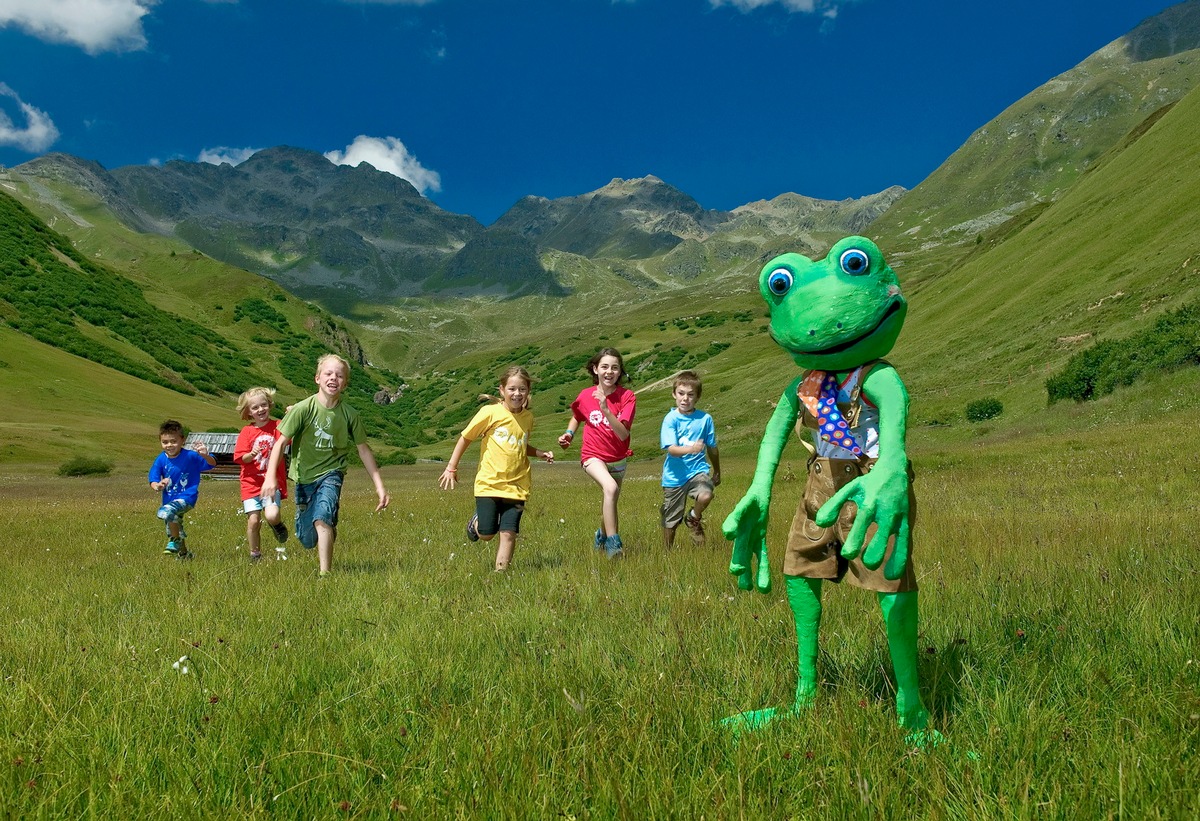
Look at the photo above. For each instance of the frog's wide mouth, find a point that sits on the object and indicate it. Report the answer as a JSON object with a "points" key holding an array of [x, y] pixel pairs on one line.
{"points": [[896, 305]]}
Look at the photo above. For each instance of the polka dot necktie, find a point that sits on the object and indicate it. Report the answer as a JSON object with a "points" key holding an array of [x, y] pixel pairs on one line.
{"points": [[819, 392]]}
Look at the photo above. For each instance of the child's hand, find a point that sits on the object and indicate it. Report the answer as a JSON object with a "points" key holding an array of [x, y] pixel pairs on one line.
{"points": [[160, 485], [384, 500], [697, 446], [565, 440], [599, 396], [716, 477], [449, 478], [548, 457], [201, 448]]}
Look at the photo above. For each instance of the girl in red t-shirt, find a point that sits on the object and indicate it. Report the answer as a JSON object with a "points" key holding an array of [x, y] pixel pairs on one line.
{"points": [[252, 453], [606, 412]]}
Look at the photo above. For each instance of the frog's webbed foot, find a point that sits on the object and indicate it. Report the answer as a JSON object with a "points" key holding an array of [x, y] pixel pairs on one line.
{"points": [[754, 720]]}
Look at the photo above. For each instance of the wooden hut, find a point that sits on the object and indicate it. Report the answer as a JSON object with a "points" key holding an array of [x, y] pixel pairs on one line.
{"points": [[220, 445]]}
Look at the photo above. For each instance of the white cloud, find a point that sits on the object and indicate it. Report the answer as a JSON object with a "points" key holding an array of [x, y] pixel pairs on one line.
{"points": [[808, 6], [388, 154], [93, 25], [223, 153], [38, 132]]}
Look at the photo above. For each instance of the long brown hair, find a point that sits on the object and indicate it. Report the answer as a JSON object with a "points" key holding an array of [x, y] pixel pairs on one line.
{"points": [[595, 361]]}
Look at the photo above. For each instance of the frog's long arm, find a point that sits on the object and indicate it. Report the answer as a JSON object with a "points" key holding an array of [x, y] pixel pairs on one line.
{"points": [[746, 526], [882, 494]]}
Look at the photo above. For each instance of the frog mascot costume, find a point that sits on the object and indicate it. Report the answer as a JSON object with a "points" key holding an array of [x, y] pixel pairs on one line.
{"points": [[836, 317]]}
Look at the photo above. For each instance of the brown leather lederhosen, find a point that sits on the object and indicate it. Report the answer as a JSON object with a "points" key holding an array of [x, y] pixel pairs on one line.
{"points": [[814, 552]]}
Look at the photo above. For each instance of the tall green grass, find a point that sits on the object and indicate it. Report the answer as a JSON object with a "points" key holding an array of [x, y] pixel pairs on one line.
{"points": [[1059, 638]]}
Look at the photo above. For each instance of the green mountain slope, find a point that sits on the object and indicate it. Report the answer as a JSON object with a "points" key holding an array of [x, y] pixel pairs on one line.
{"points": [[1110, 255], [1039, 146], [175, 319]]}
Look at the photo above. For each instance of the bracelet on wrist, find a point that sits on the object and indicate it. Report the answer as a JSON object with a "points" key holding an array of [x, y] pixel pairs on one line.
{"points": [[569, 432]]}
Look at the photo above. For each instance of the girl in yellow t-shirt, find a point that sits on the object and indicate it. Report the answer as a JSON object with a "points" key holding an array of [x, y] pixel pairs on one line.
{"points": [[503, 478]]}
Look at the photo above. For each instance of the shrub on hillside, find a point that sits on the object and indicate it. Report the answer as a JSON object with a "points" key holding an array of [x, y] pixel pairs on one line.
{"points": [[396, 457], [983, 409], [1172, 343], [85, 466]]}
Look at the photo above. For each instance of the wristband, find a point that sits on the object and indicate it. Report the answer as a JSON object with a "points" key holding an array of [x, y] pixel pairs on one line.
{"points": [[569, 432]]}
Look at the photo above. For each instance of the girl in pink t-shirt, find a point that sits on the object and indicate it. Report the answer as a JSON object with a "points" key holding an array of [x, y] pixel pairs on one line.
{"points": [[252, 453], [606, 412]]}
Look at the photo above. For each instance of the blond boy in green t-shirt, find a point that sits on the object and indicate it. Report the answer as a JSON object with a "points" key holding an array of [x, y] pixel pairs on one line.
{"points": [[322, 429]]}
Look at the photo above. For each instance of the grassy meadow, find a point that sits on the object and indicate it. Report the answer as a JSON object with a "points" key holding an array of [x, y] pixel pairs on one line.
{"points": [[1059, 636]]}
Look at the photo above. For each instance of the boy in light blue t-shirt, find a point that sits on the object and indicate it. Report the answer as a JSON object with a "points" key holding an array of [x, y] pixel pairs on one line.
{"points": [[687, 433]]}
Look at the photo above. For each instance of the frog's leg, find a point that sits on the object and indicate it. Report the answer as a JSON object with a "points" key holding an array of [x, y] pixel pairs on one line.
{"points": [[900, 616], [804, 596]]}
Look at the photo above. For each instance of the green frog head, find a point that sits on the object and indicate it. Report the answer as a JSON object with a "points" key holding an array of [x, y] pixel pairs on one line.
{"points": [[837, 313]]}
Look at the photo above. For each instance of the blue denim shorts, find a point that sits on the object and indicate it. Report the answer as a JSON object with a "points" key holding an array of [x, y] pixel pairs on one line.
{"points": [[257, 503], [173, 510], [317, 502]]}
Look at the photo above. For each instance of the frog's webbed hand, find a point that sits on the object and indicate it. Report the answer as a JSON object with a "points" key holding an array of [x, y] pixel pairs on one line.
{"points": [[746, 526], [881, 497]]}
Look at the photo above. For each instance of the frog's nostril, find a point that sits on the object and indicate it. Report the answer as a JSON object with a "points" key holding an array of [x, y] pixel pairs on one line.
{"points": [[812, 332]]}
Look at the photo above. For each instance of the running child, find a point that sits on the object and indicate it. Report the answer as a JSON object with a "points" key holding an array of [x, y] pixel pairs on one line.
{"points": [[686, 434], [176, 473], [322, 428], [606, 412], [252, 453], [503, 479]]}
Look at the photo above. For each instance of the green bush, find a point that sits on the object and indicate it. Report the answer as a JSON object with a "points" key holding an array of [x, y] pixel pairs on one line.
{"points": [[396, 457], [1172, 343], [85, 466], [983, 409]]}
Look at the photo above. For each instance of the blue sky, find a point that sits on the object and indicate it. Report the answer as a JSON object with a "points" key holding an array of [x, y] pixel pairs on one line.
{"points": [[480, 102]]}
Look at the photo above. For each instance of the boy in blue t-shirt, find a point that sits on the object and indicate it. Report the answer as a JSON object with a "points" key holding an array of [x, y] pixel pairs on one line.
{"points": [[176, 472], [686, 434]]}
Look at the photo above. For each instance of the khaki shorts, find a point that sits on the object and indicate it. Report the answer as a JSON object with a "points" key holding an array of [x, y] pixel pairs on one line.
{"points": [[675, 498], [814, 552]]}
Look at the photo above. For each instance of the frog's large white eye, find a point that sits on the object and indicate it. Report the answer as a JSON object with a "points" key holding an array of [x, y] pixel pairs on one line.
{"points": [[780, 281], [855, 262]]}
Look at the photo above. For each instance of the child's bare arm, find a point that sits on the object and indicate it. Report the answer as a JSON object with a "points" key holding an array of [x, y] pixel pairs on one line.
{"points": [[202, 449], [449, 478], [270, 484], [714, 456], [368, 460], [547, 455], [685, 450], [568, 436]]}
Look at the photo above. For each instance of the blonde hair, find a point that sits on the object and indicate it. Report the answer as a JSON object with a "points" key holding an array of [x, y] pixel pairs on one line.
{"points": [[249, 395], [321, 363], [509, 373]]}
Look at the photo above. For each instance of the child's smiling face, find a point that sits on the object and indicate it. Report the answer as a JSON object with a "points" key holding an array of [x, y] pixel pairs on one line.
{"points": [[608, 371], [260, 411], [172, 444], [515, 393], [331, 379]]}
